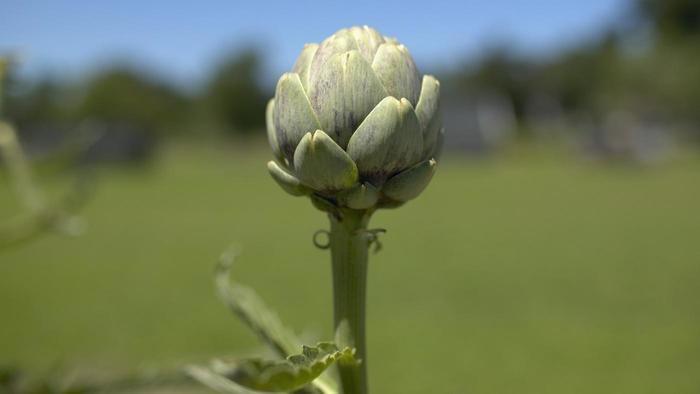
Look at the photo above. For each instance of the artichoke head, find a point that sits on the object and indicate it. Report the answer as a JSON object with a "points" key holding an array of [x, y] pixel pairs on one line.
{"points": [[354, 124]]}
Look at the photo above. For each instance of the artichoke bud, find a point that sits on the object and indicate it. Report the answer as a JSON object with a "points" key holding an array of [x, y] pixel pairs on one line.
{"points": [[354, 123]]}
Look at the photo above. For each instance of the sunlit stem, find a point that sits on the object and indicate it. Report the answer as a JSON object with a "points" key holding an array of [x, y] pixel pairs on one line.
{"points": [[349, 245]]}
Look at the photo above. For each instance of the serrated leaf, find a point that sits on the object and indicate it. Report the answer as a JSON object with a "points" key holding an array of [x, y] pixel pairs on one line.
{"points": [[293, 373], [252, 310]]}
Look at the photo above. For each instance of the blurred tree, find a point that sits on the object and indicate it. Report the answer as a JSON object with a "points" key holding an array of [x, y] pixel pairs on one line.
{"points": [[502, 73], [234, 95], [672, 19], [36, 104], [583, 78], [123, 96], [4, 67], [671, 66]]}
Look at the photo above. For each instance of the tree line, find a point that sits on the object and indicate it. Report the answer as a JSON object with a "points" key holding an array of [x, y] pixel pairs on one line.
{"points": [[646, 63]]}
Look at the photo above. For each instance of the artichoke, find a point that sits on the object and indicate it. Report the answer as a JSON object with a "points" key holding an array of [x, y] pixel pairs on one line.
{"points": [[354, 125]]}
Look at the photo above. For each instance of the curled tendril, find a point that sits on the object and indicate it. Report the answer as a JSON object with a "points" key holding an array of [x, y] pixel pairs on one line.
{"points": [[373, 238], [320, 245]]}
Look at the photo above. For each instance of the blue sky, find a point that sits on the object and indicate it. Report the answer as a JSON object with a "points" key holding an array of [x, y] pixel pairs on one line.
{"points": [[182, 39]]}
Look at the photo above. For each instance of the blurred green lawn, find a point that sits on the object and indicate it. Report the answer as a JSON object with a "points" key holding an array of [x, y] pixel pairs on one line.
{"points": [[533, 273]]}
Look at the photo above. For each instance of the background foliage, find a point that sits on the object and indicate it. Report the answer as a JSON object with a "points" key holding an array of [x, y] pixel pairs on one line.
{"points": [[646, 65]]}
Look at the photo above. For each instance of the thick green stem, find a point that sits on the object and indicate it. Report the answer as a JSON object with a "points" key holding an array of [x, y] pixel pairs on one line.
{"points": [[349, 244]]}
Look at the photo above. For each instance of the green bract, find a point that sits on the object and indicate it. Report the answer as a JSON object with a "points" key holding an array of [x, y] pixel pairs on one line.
{"points": [[354, 123]]}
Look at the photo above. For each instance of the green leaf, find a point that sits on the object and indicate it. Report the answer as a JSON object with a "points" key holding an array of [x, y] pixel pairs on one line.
{"points": [[409, 184], [322, 165], [39, 215], [394, 66], [362, 196], [277, 375], [428, 112], [287, 181], [271, 132], [303, 64], [251, 309], [343, 93], [292, 114], [368, 41], [389, 140], [340, 42]]}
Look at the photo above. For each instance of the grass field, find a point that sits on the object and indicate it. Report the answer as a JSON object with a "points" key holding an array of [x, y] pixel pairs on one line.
{"points": [[530, 273]]}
